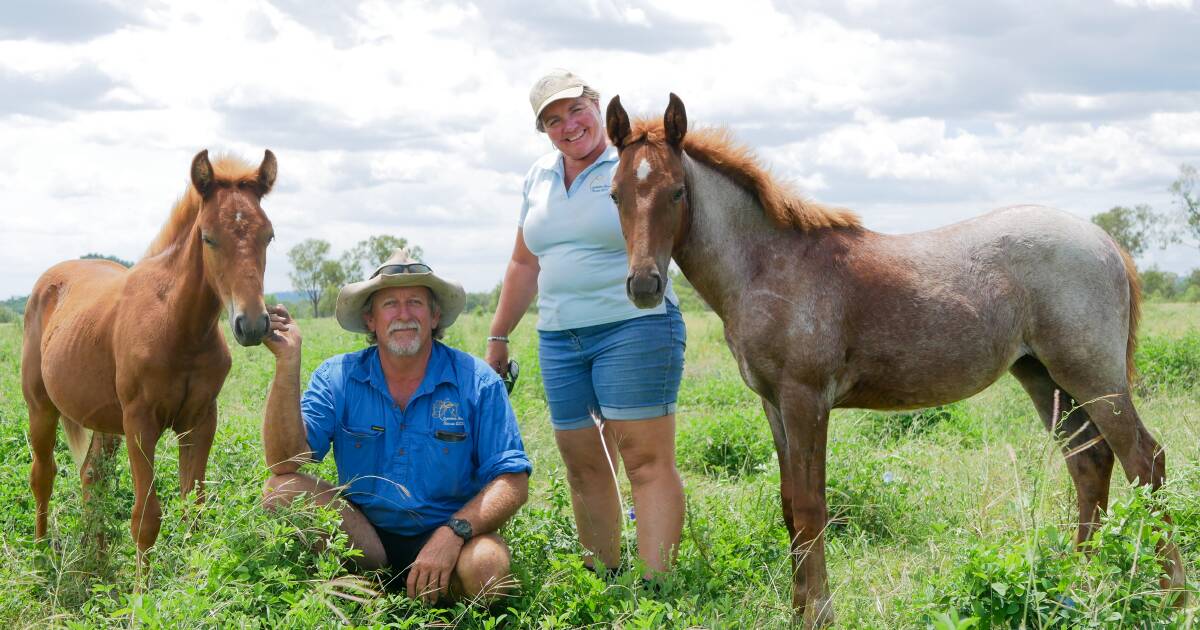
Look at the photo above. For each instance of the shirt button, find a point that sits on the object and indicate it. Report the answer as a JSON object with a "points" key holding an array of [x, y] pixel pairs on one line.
{"points": [[401, 451]]}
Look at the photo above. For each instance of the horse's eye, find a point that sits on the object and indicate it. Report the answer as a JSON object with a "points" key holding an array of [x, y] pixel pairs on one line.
{"points": [[207, 240], [613, 195], [678, 196]]}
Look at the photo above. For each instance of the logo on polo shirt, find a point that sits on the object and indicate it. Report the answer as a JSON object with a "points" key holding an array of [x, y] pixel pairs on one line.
{"points": [[446, 411], [599, 183]]}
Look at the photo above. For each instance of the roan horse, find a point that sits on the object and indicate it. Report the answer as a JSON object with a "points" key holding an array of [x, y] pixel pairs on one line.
{"points": [[821, 313], [136, 351]]}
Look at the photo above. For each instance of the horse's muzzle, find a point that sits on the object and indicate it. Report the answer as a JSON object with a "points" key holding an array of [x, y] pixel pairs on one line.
{"points": [[249, 331], [645, 289]]}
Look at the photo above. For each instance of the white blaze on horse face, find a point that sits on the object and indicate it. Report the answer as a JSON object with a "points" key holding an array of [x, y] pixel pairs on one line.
{"points": [[643, 170]]}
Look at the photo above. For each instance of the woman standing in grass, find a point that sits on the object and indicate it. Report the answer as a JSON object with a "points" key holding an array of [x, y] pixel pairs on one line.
{"points": [[611, 371]]}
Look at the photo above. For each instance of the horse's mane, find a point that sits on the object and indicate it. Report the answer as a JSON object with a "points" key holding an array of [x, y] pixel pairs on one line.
{"points": [[228, 170], [715, 147]]}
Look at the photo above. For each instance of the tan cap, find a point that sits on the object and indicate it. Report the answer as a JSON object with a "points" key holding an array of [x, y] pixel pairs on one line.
{"points": [[401, 270], [555, 86]]}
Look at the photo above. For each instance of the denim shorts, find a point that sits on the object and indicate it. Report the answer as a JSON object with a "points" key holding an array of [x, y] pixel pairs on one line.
{"points": [[626, 370]]}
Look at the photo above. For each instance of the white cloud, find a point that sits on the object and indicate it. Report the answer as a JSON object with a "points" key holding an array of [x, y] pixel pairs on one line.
{"points": [[1157, 4], [412, 117]]}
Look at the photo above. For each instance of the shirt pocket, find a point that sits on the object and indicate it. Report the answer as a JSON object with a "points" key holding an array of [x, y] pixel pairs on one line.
{"points": [[449, 460], [359, 452]]}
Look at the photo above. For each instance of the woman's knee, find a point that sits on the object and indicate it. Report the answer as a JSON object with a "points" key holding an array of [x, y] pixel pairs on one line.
{"points": [[647, 464]]}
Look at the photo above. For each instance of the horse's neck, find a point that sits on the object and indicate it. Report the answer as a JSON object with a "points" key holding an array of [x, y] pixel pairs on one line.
{"points": [[726, 230], [193, 305]]}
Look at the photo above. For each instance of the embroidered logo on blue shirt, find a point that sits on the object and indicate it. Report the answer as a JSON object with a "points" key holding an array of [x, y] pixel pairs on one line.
{"points": [[599, 185], [447, 412]]}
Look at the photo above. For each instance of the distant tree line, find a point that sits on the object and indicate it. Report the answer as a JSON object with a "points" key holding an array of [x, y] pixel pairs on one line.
{"points": [[319, 277], [119, 261], [1140, 228]]}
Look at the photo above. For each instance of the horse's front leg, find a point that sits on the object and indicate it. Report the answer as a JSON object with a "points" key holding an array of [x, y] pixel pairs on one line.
{"points": [[775, 420], [142, 431], [805, 423], [194, 445]]}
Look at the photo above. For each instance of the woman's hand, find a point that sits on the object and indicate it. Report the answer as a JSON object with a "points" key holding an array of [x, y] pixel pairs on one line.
{"points": [[497, 356]]}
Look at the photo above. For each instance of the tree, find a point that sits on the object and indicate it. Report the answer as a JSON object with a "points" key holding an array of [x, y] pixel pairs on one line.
{"points": [[369, 253], [484, 301], [1132, 228], [333, 277], [119, 261], [1186, 190], [1161, 285], [308, 270]]}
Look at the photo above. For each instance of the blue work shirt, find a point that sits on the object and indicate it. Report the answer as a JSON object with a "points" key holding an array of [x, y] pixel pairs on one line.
{"points": [[576, 236], [410, 470]]}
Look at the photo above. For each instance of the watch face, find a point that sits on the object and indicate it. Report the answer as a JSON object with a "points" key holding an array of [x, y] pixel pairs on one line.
{"points": [[460, 527]]}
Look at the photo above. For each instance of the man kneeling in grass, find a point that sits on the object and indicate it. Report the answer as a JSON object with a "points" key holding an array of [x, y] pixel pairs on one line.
{"points": [[429, 458]]}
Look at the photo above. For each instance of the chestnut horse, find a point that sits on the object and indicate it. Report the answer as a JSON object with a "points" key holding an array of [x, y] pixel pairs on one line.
{"points": [[822, 313], [136, 351]]}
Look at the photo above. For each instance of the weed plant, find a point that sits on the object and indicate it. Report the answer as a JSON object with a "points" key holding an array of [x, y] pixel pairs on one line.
{"points": [[951, 518]]}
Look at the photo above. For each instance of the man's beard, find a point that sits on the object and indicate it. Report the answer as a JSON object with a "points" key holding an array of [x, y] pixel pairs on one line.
{"points": [[400, 348]]}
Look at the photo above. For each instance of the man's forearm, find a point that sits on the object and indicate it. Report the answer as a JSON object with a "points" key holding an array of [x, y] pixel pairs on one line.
{"points": [[284, 440], [496, 503]]}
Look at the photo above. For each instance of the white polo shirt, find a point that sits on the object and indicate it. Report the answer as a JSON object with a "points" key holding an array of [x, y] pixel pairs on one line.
{"points": [[576, 235]]}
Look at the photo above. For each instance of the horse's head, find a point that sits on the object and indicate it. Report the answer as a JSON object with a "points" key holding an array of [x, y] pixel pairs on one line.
{"points": [[235, 232], [651, 198]]}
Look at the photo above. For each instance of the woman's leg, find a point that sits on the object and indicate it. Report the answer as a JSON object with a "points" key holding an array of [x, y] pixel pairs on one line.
{"points": [[593, 491], [648, 449]]}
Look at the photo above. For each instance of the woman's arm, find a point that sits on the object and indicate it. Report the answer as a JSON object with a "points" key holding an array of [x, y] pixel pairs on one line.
{"points": [[520, 285]]}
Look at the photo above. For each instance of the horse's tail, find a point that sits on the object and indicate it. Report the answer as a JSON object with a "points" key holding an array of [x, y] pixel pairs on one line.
{"points": [[79, 440], [1135, 312]]}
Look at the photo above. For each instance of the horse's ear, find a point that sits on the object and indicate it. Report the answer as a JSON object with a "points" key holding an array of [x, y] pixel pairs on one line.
{"points": [[202, 173], [675, 122], [618, 123], [266, 172]]}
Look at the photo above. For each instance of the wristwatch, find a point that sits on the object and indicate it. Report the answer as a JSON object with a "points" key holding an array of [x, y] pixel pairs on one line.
{"points": [[461, 527]]}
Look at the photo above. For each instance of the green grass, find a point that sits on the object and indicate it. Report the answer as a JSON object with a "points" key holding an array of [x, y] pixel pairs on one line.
{"points": [[929, 512]]}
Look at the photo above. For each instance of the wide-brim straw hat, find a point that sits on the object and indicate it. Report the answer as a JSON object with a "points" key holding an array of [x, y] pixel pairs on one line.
{"points": [[401, 270]]}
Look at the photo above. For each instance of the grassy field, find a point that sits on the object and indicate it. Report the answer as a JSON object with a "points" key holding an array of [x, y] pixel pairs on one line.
{"points": [[958, 512]]}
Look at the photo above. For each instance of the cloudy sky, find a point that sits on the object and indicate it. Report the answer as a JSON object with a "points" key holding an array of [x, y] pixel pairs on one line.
{"points": [[413, 119]]}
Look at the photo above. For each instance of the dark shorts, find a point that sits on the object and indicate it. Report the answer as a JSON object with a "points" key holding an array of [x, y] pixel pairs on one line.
{"points": [[401, 553]]}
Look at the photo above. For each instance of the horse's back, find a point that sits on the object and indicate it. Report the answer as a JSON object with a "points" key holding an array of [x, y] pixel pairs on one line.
{"points": [[947, 311], [67, 352]]}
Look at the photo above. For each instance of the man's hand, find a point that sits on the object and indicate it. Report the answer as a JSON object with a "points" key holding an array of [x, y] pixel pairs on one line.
{"points": [[497, 356], [429, 577], [283, 336]]}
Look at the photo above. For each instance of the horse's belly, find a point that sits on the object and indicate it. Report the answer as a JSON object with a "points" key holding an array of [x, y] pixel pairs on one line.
{"points": [[928, 384], [78, 373]]}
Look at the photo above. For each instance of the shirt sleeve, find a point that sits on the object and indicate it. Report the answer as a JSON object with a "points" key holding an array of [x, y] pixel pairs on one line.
{"points": [[525, 197], [498, 449], [319, 410]]}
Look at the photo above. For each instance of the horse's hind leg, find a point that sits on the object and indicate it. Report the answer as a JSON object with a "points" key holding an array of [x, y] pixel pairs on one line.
{"points": [[43, 423], [1089, 458], [43, 430], [1104, 391]]}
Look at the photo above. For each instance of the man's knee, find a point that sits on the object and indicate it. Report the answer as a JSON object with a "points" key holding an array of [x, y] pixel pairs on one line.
{"points": [[280, 490], [483, 568]]}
